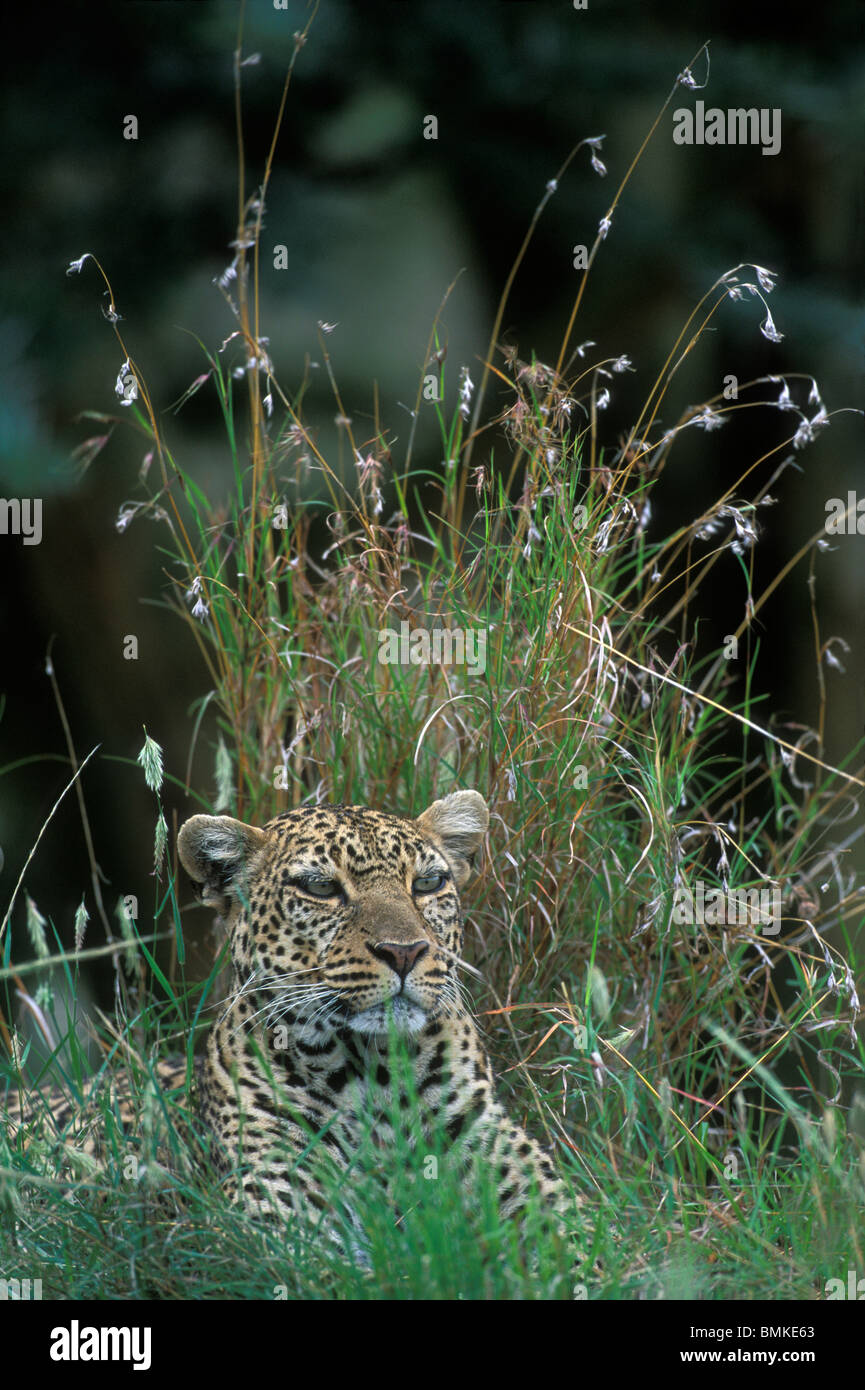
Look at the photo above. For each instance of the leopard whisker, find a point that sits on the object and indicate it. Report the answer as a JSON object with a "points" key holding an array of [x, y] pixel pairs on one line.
{"points": [[280, 1007], [275, 1009], [272, 1014], [258, 979], [463, 964]]}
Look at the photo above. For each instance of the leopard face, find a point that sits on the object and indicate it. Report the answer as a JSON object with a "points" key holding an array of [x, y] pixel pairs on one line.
{"points": [[341, 917]]}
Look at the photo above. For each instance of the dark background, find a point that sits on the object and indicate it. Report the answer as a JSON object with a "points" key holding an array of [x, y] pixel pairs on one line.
{"points": [[377, 222]]}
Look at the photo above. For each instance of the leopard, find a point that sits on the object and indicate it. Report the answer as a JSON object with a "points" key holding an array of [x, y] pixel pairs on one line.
{"points": [[346, 932]]}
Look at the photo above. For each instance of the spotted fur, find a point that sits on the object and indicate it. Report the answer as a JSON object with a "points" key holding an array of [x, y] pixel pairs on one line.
{"points": [[345, 922]]}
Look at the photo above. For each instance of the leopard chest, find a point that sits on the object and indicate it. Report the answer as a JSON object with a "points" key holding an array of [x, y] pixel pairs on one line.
{"points": [[354, 1087]]}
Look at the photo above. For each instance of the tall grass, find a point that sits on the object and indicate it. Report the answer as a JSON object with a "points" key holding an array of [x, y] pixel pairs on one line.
{"points": [[697, 1079]]}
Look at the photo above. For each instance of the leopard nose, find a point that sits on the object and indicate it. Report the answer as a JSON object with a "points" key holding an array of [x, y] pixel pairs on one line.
{"points": [[400, 958]]}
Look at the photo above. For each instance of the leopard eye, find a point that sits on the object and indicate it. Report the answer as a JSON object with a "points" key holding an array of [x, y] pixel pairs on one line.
{"points": [[430, 883], [320, 887]]}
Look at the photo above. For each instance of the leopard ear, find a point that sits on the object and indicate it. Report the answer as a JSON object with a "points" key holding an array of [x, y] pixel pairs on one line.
{"points": [[458, 823], [216, 852]]}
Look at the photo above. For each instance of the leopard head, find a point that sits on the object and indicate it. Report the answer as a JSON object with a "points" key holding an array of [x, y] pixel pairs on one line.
{"points": [[341, 917]]}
